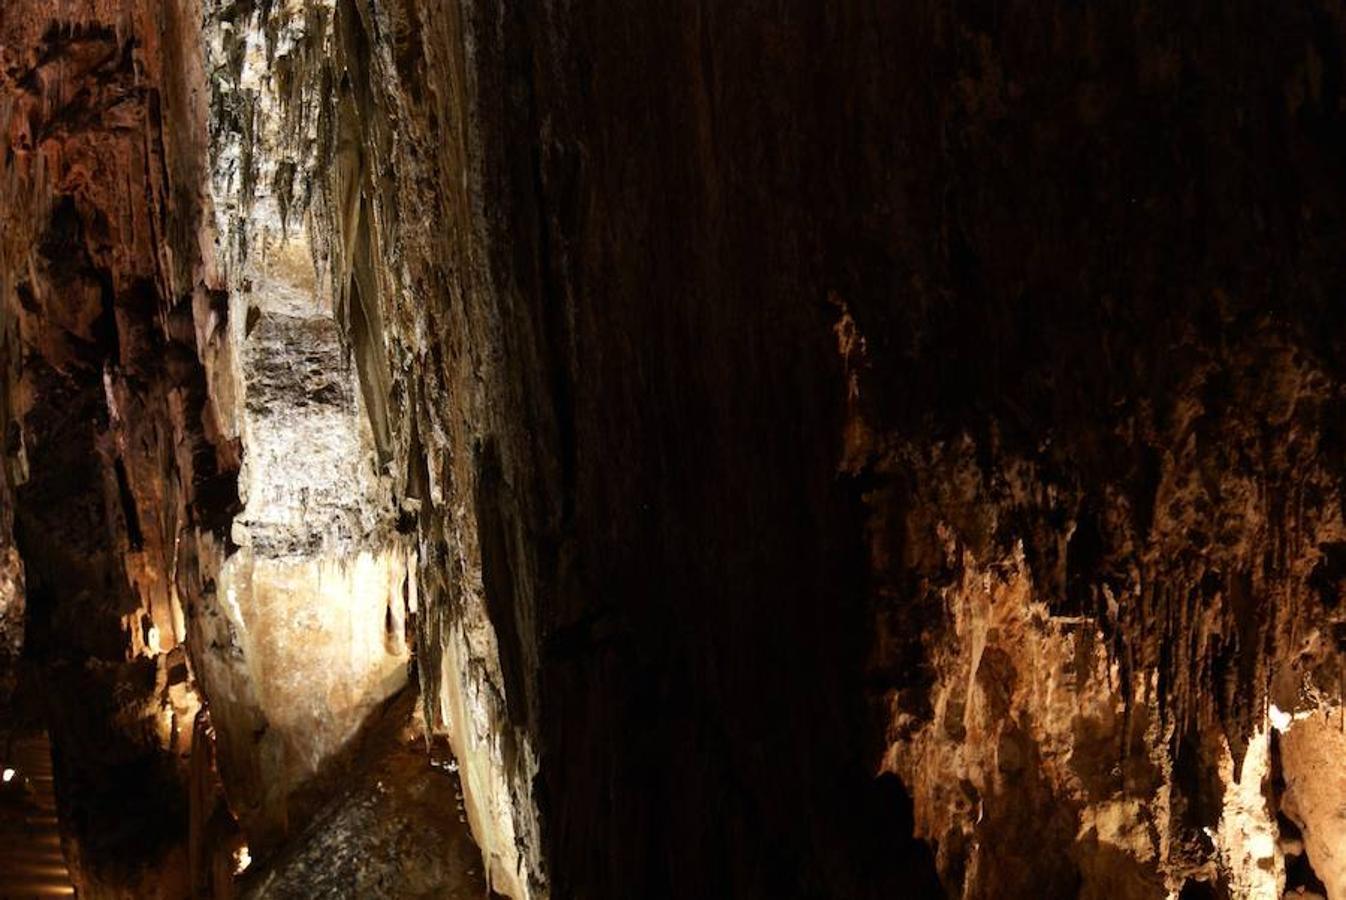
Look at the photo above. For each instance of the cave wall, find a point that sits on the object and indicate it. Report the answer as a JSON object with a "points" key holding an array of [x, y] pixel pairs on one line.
{"points": [[846, 450], [311, 635], [120, 460], [804, 394]]}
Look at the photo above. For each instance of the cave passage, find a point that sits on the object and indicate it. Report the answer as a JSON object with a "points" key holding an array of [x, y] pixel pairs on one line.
{"points": [[614, 450], [31, 862]]}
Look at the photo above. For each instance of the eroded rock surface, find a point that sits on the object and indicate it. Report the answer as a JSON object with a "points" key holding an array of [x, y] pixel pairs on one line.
{"points": [[1070, 509], [834, 450], [394, 829], [119, 463]]}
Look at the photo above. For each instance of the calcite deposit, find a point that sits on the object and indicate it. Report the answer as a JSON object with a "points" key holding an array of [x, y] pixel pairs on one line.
{"points": [[119, 467], [754, 450]]}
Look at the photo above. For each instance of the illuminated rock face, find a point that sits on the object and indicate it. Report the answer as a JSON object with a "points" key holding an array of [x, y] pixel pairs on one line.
{"points": [[307, 634], [143, 407], [320, 644], [11, 620], [1315, 794], [1035, 541], [865, 450], [120, 459]]}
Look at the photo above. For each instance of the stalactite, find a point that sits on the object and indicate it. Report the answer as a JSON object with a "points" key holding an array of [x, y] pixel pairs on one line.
{"points": [[814, 451]]}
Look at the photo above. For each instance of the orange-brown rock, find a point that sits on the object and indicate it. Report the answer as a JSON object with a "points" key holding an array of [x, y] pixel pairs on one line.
{"points": [[834, 449]]}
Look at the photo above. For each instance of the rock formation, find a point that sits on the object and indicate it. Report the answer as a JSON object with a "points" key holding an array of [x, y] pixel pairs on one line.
{"points": [[120, 460], [764, 450]]}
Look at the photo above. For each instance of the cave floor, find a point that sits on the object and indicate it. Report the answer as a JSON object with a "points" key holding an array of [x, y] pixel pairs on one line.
{"points": [[393, 830], [31, 862]]}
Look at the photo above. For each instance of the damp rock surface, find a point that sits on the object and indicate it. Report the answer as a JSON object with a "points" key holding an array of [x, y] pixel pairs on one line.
{"points": [[394, 829]]}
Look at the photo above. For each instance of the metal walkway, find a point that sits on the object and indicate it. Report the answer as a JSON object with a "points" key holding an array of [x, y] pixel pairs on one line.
{"points": [[31, 863]]}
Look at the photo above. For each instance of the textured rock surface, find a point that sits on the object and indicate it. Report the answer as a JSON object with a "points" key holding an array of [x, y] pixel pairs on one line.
{"points": [[842, 450], [137, 375], [1059, 514], [12, 609], [120, 469], [1315, 794], [309, 631], [394, 829], [300, 632]]}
